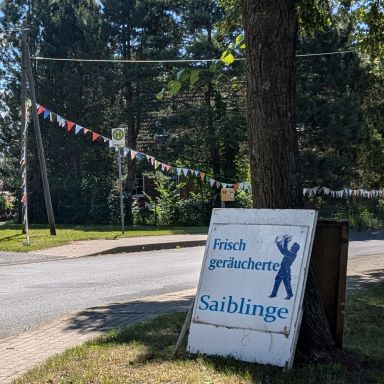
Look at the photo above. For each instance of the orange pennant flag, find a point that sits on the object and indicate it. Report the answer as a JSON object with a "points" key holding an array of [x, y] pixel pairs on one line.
{"points": [[40, 109], [202, 176], [70, 125], [95, 136]]}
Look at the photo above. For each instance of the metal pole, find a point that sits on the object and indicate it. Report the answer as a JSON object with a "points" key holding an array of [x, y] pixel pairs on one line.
{"points": [[40, 149], [121, 190]]}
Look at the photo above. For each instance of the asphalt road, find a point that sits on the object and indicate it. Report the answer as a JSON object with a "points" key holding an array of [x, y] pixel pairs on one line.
{"points": [[34, 291], [31, 294], [366, 243]]}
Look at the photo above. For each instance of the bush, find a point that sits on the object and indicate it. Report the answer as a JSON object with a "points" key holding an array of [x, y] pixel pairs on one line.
{"points": [[361, 213], [194, 211], [243, 199], [142, 216]]}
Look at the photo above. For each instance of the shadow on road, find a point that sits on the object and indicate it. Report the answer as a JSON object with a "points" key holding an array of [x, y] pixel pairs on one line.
{"points": [[366, 280], [105, 318], [377, 234]]}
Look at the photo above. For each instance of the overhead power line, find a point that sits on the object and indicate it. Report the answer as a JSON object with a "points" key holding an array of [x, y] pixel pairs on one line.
{"points": [[129, 61], [174, 61], [325, 53], [14, 30]]}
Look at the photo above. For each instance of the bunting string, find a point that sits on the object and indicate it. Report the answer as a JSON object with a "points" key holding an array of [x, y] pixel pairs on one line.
{"points": [[343, 193], [70, 126], [23, 171]]}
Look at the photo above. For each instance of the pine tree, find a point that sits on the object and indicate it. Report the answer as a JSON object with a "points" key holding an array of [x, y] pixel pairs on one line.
{"points": [[139, 30]]}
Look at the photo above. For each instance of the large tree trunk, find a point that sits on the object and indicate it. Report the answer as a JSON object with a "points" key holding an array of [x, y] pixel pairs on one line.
{"points": [[270, 38]]}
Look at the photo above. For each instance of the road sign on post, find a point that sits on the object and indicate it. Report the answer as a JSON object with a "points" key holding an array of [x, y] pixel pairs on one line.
{"points": [[249, 298], [118, 137], [118, 141]]}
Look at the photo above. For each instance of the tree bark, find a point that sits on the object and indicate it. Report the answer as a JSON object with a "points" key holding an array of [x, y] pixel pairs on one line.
{"points": [[270, 38]]}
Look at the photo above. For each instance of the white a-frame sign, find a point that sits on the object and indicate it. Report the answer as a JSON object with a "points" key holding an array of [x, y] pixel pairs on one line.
{"points": [[249, 299]]}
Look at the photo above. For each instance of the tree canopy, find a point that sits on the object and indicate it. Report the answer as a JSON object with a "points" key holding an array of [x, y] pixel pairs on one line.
{"points": [[199, 120]]}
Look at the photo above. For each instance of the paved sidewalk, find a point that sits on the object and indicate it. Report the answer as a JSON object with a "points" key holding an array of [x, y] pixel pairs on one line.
{"points": [[365, 271], [129, 244], [22, 352]]}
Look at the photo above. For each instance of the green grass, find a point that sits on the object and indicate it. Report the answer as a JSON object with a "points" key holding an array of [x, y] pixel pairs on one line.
{"points": [[11, 239], [142, 353]]}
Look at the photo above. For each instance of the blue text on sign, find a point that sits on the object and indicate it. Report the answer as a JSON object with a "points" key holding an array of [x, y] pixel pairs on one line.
{"points": [[229, 245]]}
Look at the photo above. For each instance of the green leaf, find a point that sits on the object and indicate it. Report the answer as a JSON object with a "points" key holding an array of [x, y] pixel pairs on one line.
{"points": [[183, 75], [160, 95], [174, 87], [213, 67], [228, 58], [194, 76], [239, 39]]}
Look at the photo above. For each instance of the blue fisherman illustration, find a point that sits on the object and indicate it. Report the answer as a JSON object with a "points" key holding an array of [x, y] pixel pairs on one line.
{"points": [[284, 273]]}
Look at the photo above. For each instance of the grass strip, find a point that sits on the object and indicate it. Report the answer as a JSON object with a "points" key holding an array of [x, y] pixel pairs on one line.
{"points": [[11, 239], [142, 353]]}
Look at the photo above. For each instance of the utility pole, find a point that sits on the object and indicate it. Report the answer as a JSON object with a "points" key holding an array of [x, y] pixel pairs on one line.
{"points": [[39, 142]]}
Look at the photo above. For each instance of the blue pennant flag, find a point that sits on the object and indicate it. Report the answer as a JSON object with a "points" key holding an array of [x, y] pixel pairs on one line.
{"points": [[139, 155], [46, 113], [78, 128]]}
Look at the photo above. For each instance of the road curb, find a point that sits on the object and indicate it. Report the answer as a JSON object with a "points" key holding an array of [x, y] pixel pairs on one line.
{"points": [[151, 247]]}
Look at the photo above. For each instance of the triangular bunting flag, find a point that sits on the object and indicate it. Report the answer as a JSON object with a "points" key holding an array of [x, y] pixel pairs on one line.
{"points": [[86, 130], [179, 171], [95, 136], [202, 176], [156, 164], [139, 155], [212, 182], [46, 114], [218, 184], [185, 171], [126, 150], [133, 154], [70, 125], [105, 139], [148, 158], [78, 128], [40, 109], [168, 167]]}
